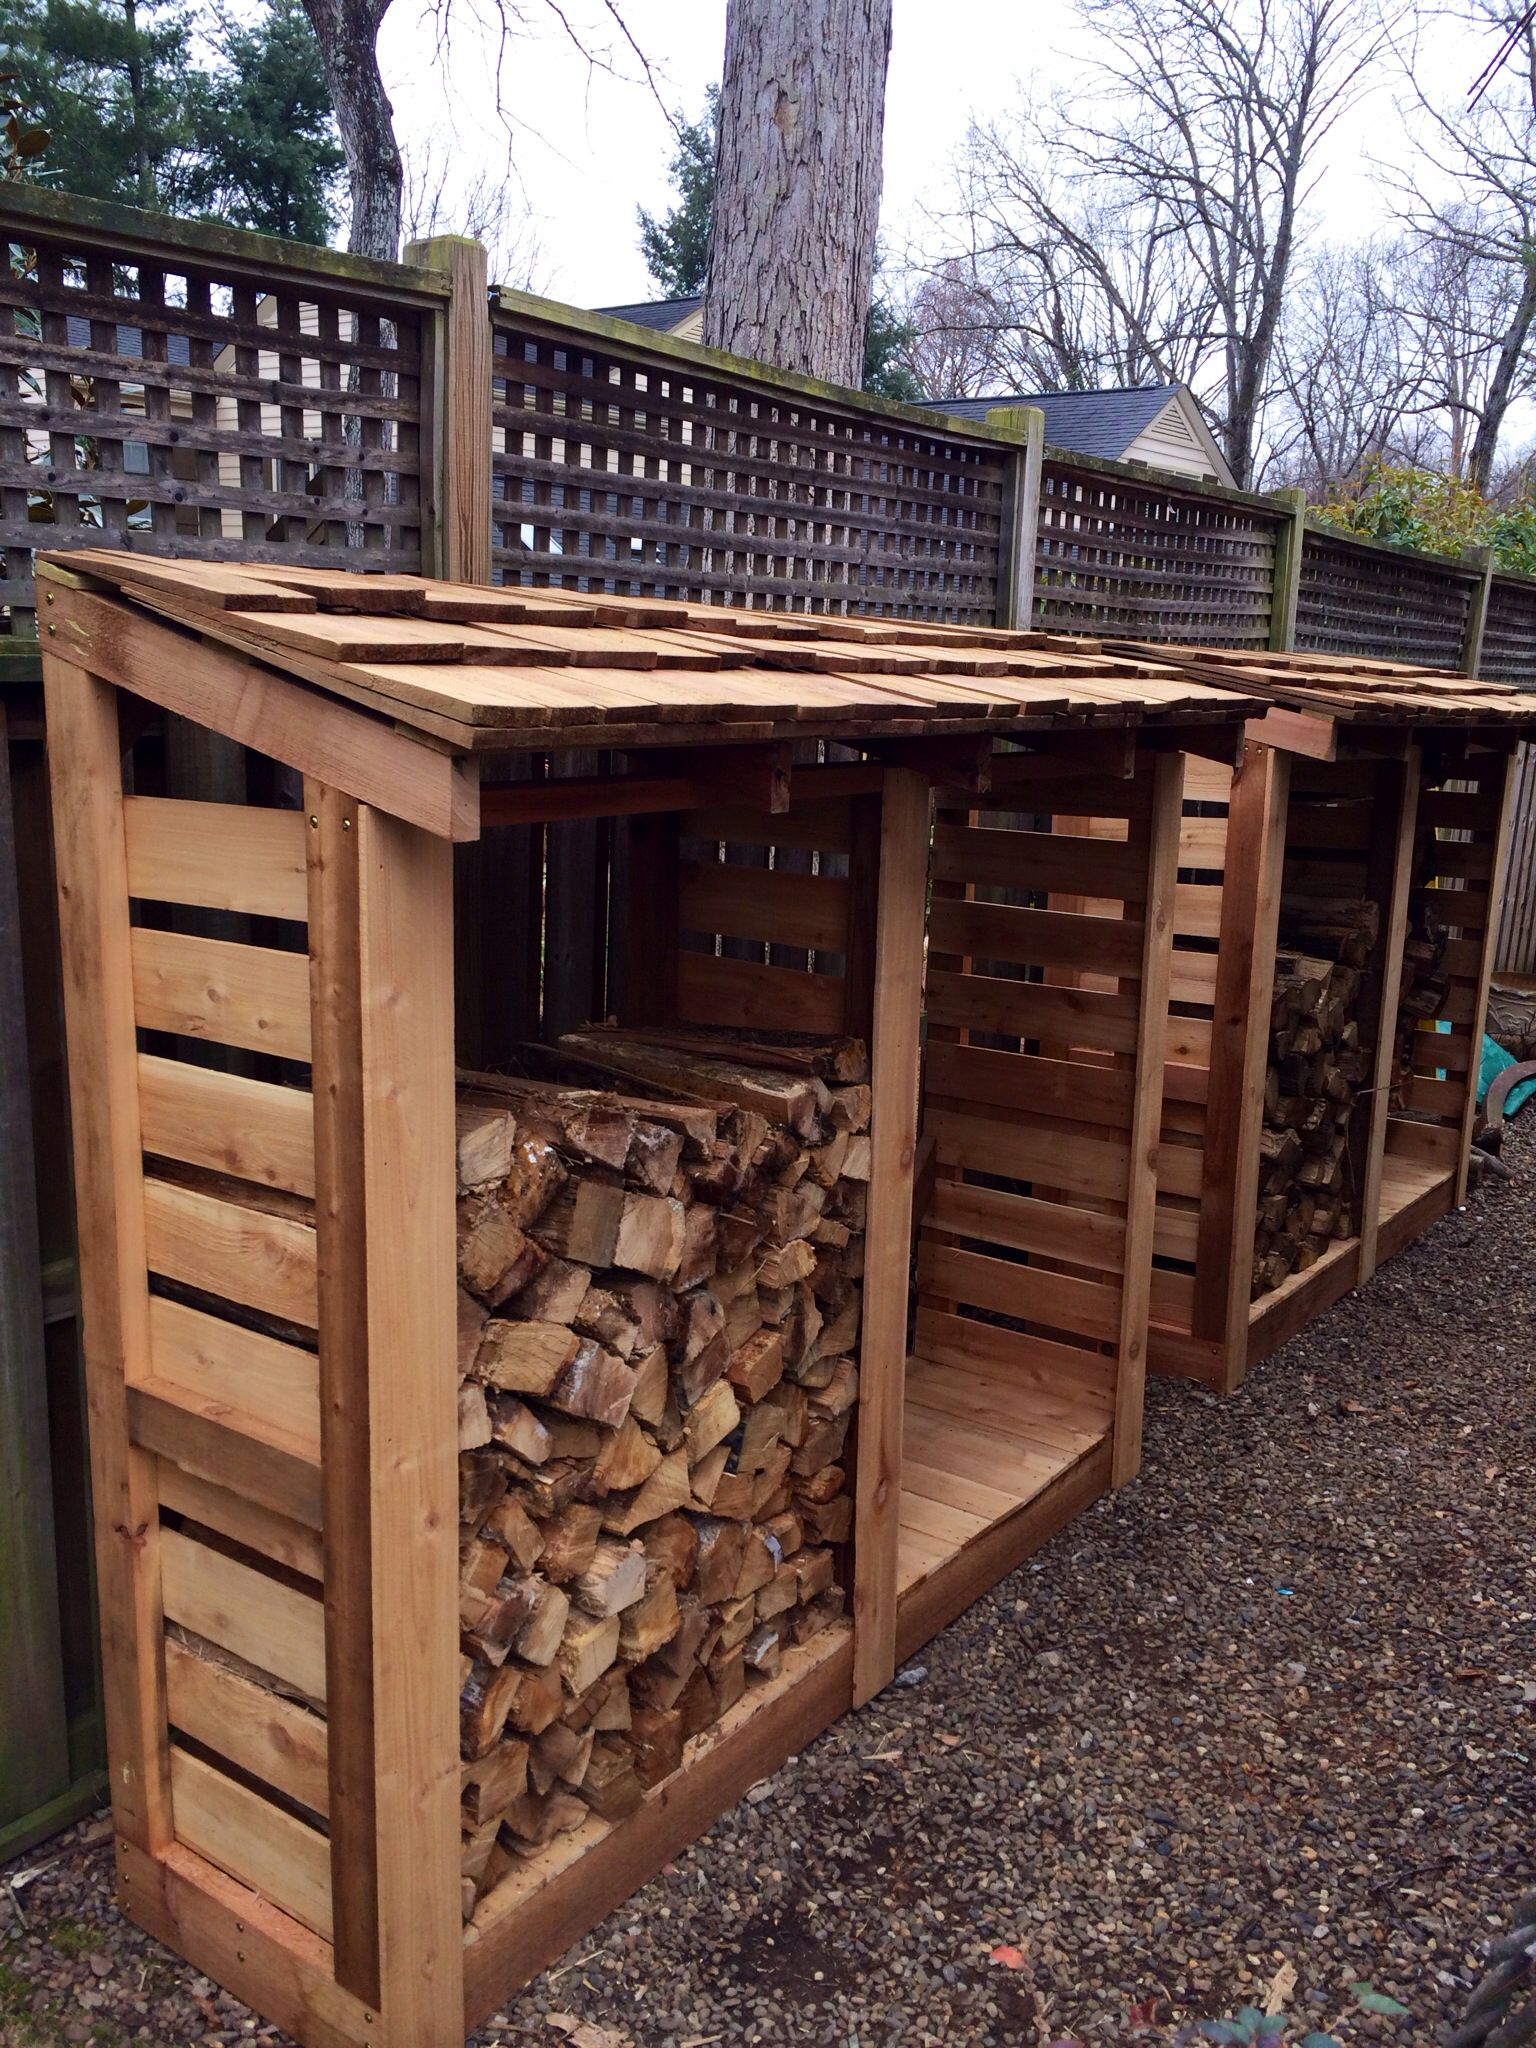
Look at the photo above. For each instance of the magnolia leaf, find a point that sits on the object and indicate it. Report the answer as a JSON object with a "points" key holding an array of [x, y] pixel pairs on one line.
{"points": [[1378, 2001]]}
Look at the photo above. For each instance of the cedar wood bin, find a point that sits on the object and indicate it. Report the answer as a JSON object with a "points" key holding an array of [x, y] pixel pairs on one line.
{"points": [[1368, 780], [269, 1338]]}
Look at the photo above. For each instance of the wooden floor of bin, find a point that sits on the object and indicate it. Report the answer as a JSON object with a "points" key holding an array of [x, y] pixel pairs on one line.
{"points": [[990, 1469], [1414, 1192]]}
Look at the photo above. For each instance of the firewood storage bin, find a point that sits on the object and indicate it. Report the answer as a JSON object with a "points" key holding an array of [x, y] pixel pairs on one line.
{"points": [[270, 1005], [1364, 783]]}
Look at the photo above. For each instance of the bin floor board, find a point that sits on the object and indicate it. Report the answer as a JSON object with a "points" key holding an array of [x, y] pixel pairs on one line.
{"points": [[977, 1449], [1413, 1193]]}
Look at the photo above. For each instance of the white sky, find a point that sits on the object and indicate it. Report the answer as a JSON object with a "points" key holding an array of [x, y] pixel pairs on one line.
{"points": [[586, 148]]}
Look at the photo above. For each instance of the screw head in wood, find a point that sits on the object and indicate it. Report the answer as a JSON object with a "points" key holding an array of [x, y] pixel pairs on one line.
{"points": [[314, 822]]}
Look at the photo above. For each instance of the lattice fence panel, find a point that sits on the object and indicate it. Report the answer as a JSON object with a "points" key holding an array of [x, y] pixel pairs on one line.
{"points": [[1509, 635], [189, 408], [1116, 555], [1381, 604], [651, 477]]}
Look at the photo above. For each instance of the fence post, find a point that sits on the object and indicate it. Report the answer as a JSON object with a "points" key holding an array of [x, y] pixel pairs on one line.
{"points": [[1287, 583], [1016, 585], [456, 400], [1481, 560]]}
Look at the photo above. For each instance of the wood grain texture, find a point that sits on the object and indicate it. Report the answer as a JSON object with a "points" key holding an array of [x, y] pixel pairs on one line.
{"points": [[251, 996], [255, 1841], [91, 862], [222, 856], [260, 1731], [899, 940], [253, 1130]]}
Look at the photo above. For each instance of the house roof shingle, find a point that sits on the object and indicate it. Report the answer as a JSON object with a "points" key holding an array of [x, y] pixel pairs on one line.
{"points": [[1088, 422], [663, 314]]}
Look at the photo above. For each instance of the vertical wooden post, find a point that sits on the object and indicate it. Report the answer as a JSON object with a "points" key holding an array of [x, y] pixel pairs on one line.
{"points": [[1398, 879], [456, 540], [380, 931], [1287, 584], [1245, 978], [1146, 1115], [900, 919], [1021, 524], [92, 867], [34, 1751], [1477, 610], [1503, 776]]}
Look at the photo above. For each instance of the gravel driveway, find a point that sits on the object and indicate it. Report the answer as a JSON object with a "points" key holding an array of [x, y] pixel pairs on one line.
{"points": [[1259, 1728]]}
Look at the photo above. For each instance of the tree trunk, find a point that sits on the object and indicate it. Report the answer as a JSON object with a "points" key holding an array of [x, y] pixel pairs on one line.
{"points": [[348, 32], [1502, 384], [797, 183]]}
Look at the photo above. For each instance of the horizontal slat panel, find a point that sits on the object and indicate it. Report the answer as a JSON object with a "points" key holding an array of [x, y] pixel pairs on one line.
{"points": [[1430, 1144], [224, 1248], [1459, 857], [1085, 1165], [241, 1609], [1459, 810], [273, 1738], [744, 992], [1037, 938], [1030, 1362], [1197, 910], [1179, 1168], [1016, 1080], [1051, 1230], [1332, 825], [164, 1418], [1028, 1009], [251, 996], [1175, 1231], [1188, 1043], [1202, 842], [1040, 861], [1464, 910], [229, 1123], [763, 903], [220, 856], [1206, 782], [821, 826], [1192, 977], [1172, 1298], [248, 1522], [255, 1841], [239, 1374], [1436, 1098], [1068, 796]]}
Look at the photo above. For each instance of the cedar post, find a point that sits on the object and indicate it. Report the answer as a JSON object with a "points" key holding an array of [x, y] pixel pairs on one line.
{"points": [[91, 860], [1477, 609], [1289, 539], [1245, 976], [1146, 1116], [899, 926], [456, 536], [1021, 515], [380, 924], [1398, 878]]}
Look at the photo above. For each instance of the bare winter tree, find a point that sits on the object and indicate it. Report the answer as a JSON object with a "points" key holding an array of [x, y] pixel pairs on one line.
{"points": [[797, 182], [1349, 371], [1147, 222], [956, 346], [348, 34], [1484, 239], [490, 205]]}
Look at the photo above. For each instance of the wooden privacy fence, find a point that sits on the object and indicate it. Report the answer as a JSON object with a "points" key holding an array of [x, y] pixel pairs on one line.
{"points": [[185, 389]]}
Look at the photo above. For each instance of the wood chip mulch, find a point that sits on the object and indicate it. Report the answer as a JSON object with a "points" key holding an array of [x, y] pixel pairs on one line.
{"points": [[1256, 1731]]}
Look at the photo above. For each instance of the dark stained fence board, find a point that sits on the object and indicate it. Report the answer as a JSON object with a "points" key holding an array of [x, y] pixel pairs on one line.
{"points": [[1509, 636], [1381, 603], [672, 479], [1119, 554]]}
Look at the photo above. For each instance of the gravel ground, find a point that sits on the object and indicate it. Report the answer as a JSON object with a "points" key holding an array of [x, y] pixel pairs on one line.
{"points": [[1258, 1729]]}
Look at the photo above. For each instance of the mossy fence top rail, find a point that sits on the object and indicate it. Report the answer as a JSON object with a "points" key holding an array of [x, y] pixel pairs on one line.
{"points": [[182, 388]]}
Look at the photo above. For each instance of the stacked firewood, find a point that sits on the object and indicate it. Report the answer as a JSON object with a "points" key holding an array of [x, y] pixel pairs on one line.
{"points": [[1316, 1067], [659, 1304]]}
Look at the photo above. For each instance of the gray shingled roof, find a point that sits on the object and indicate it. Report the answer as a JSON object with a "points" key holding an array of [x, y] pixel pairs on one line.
{"points": [[1088, 422], [660, 313], [130, 340]]}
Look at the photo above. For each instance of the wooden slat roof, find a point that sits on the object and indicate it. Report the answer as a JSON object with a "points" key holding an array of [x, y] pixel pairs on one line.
{"points": [[1350, 687], [508, 668]]}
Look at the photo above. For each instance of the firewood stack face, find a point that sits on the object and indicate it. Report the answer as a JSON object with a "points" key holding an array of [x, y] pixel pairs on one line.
{"points": [[658, 1311], [1316, 1067]]}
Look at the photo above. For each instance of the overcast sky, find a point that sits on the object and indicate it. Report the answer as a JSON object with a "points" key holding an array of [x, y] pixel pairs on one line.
{"points": [[586, 147]]}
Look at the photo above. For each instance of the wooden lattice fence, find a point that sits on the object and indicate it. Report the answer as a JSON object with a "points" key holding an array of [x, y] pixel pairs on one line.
{"points": [[1388, 603]]}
